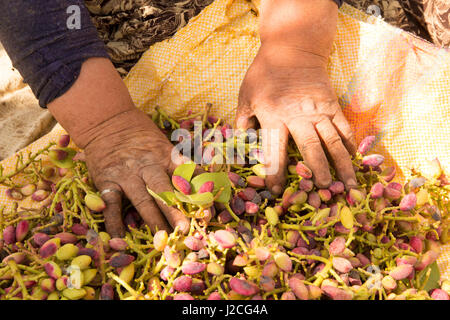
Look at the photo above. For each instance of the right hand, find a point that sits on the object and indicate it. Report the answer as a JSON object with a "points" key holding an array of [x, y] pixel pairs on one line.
{"points": [[129, 153], [289, 90], [124, 150]]}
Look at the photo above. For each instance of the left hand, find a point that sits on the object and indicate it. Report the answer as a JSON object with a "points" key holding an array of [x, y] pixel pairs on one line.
{"points": [[128, 154], [289, 90]]}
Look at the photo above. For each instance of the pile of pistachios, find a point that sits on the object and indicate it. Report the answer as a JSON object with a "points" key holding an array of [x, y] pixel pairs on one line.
{"points": [[379, 241]]}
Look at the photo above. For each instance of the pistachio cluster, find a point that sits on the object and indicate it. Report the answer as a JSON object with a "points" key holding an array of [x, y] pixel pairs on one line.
{"points": [[377, 241]]}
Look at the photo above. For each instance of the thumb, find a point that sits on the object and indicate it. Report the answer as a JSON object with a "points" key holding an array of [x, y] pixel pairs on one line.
{"points": [[245, 118]]}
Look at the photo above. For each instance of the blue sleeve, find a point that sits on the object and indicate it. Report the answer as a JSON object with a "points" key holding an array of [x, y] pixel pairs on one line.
{"points": [[339, 2], [47, 41]]}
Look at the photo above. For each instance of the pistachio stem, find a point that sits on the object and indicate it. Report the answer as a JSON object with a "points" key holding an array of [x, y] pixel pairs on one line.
{"points": [[31, 158]]}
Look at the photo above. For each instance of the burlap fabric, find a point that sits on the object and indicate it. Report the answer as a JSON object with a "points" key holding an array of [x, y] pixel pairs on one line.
{"points": [[128, 28]]}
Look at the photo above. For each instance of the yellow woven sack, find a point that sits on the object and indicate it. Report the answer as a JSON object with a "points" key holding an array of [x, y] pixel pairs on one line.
{"points": [[390, 83]]}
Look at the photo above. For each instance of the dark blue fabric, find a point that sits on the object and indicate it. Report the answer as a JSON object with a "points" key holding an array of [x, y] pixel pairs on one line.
{"points": [[46, 52], [339, 2]]}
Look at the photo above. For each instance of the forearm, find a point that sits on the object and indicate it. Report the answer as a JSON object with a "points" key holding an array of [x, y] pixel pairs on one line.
{"points": [[48, 53], [97, 96], [299, 25]]}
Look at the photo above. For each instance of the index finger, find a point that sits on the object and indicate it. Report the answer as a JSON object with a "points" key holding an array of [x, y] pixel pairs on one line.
{"points": [[135, 189], [158, 181], [275, 153]]}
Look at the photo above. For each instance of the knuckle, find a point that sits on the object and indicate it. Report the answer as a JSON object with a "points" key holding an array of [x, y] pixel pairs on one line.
{"points": [[349, 135], [144, 204], [112, 200], [333, 141], [150, 169], [310, 142], [297, 116], [159, 183]]}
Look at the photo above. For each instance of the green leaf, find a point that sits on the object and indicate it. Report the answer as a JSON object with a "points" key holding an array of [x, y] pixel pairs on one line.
{"points": [[433, 280], [185, 170], [220, 180], [167, 197], [224, 196], [199, 199], [67, 163]]}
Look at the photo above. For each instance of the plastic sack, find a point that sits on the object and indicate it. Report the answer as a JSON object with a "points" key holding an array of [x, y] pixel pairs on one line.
{"points": [[389, 83]]}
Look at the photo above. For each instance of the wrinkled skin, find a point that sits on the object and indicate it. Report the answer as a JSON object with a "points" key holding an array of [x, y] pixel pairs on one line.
{"points": [[127, 160], [289, 90]]}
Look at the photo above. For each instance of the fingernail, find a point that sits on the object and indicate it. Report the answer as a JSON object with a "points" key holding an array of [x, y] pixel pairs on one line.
{"points": [[351, 183], [322, 184], [277, 189], [183, 226]]}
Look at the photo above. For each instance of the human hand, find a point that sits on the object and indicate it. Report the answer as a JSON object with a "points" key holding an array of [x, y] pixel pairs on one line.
{"points": [[124, 150], [289, 90], [128, 154]]}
